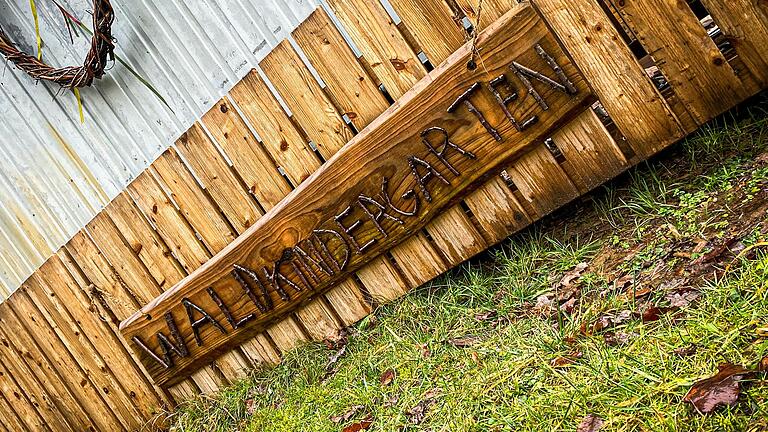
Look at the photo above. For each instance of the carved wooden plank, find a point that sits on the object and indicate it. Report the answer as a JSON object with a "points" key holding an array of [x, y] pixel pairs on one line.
{"points": [[248, 156], [353, 91], [386, 150], [433, 25], [357, 96], [217, 177], [695, 68], [745, 24], [172, 226], [379, 40], [279, 136], [311, 108], [619, 81]]}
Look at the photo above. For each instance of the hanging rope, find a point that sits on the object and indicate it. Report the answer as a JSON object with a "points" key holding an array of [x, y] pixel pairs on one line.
{"points": [[472, 64], [102, 47]]}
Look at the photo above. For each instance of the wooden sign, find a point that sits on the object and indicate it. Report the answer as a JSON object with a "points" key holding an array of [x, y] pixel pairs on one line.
{"points": [[456, 127]]}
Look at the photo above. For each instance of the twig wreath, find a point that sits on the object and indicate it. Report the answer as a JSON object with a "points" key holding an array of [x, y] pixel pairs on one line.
{"points": [[102, 47]]}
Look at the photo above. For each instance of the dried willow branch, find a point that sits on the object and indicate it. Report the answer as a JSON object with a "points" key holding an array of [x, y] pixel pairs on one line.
{"points": [[102, 47]]}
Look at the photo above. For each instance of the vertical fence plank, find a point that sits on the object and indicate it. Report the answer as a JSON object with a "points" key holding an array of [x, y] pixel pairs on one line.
{"points": [[217, 177], [18, 375], [279, 136], [248, 156], [20, 403], [76, 377], [144, 241], [81, 349], [617, 78], [745, 24], [381, 43], [591, 156], [65, 294], [433, 25], [311, 108], [689, 59], [353, 91], [11, 421]]}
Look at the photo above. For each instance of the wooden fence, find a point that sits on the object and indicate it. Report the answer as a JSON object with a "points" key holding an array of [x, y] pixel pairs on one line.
{"points": [[653, 71]]}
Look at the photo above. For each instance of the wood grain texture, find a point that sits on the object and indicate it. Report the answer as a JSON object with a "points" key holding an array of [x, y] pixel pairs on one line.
{"points": [[18, 376], [497, 210], [434, 26], [353, 91], [78, 378], [591, 155], [745, 24], [311, 108], [359, 168], [541, 181], [281, 139], [21, 404], [146, 243], [618, 80], [172, 228], [109, 284], [697, 71], [61, 292], [249, 159], [380, 42], [201, 214], [218, 179]]}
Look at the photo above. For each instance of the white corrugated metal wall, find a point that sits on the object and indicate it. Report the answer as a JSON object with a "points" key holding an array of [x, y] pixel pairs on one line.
{"points": [[56, 173]]}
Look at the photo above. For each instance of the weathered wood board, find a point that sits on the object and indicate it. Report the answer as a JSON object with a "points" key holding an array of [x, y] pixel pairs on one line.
{"points": [[426, 151]]}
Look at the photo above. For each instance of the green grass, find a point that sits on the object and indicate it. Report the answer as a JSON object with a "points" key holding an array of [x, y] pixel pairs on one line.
{"points": [[646, 225]]}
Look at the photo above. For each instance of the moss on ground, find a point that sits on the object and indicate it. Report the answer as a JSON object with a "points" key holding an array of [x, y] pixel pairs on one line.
{"points": [[674, 284]]}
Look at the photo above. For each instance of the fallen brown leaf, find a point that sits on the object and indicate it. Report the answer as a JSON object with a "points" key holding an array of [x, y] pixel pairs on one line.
{"points": [[681, 299], [347, 414], [721, 389], [590, 423], [417, 414], [387, 377], [250, 407], [361, 425], [686, 351], [763, 365], [464, 341], [486, 316]]}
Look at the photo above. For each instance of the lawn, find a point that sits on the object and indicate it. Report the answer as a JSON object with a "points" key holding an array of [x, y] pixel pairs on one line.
{"points": [[606, 312]]}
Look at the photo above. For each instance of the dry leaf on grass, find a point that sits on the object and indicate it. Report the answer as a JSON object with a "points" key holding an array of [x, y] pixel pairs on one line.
{"points": [[359, 426], [387, 377], [464, 341], [686, 351], [346, 415], [417, 414], [590, 423], [721, 389]]}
